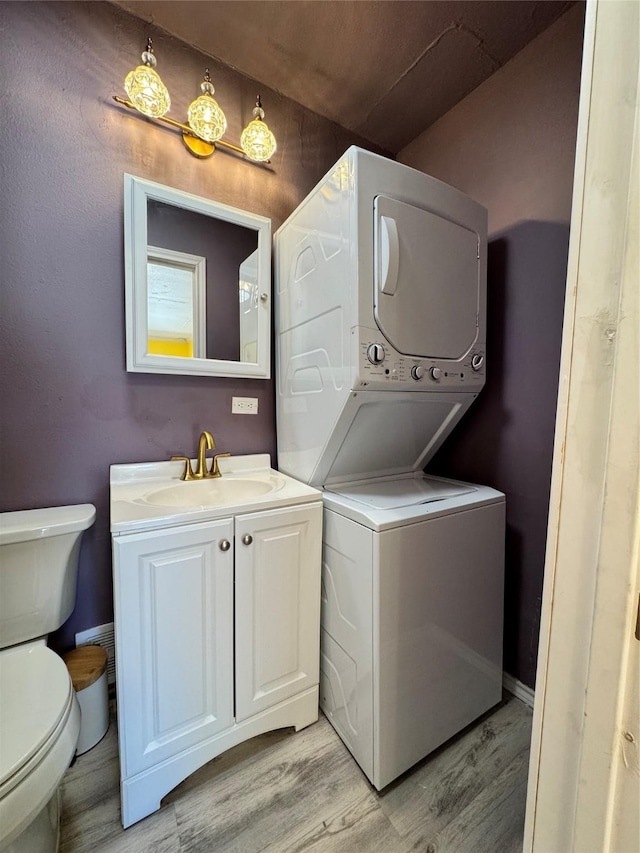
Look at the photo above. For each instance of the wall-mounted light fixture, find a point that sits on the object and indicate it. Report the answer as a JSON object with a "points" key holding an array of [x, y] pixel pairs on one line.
{"points": [[206, 120]]}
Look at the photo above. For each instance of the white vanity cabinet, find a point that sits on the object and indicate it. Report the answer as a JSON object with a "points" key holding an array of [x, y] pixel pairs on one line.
{"points": [[277, 600], [174, 621], [217, 640]]}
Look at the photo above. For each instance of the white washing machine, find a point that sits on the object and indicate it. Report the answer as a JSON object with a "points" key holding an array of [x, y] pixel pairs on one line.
{"points": [[411, 646], [380, 278]]}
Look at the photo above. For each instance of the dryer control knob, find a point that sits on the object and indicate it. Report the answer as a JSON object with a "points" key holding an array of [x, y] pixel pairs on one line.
{"points": [[435, 373], [417, 371], [375, 353], [477, 360]]}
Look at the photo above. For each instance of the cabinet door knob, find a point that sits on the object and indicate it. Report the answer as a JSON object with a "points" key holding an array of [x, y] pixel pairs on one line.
{"points": [[247, 539], [225, 544]]}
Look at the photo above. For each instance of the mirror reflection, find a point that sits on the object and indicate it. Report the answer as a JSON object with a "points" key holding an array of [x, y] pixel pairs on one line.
{"points": [[202, 282], [197, 284], [249, 308], [176, 303]]}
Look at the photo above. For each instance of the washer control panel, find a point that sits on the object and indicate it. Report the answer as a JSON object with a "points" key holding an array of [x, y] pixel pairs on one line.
{"points": [[379, 366]]}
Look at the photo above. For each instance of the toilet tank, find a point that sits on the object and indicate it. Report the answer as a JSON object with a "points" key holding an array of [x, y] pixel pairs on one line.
{"points": [[39, 551]]}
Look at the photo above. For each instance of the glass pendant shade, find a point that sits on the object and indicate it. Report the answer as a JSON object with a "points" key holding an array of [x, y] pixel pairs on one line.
{"points": [[145, 89], [205, 117], [257, 141], [206, 122]]}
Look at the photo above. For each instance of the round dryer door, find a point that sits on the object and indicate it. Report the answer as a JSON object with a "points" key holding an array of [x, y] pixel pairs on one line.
{"points": [[427, 282]]}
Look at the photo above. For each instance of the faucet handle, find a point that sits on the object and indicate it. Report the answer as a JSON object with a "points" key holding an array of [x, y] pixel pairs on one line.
{"points": [[215, 470], [187, 474]]}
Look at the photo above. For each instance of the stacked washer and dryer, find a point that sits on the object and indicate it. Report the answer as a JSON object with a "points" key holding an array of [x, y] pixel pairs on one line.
{"points": [[380, 278]]}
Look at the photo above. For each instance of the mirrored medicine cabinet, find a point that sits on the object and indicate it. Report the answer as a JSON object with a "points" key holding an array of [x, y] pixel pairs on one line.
{"points": [[197, 284]]}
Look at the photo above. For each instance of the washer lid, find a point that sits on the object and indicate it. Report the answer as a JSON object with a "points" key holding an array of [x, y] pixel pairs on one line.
{"points": [[34, 694], [381, 433], [403, 491]]}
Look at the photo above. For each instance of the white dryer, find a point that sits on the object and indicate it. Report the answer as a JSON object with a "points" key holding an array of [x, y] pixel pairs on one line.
{"points": [[380, 280]]}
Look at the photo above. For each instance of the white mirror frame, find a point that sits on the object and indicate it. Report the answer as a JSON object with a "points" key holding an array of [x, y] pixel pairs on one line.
{"points": [[136, 193]]}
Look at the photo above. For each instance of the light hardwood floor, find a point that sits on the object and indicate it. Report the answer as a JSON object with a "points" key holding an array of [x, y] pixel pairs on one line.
{"points": [[303, 792]]}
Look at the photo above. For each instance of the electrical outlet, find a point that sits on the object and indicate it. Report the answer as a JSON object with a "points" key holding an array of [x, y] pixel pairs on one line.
{"points": [[244, 405]]}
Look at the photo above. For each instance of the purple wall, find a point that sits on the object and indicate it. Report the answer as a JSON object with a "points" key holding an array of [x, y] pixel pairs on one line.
{"points": [[69, 408], [506, 440], [511, 145]]}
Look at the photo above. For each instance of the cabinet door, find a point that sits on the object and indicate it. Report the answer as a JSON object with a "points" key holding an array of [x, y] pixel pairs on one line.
{"points": [[174, 640], [278, 556]]}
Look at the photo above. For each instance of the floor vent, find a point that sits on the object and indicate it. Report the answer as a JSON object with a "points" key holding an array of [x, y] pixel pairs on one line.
{"points": [[101, 635]]}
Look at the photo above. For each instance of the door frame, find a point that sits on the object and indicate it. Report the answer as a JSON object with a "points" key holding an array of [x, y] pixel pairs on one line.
{"points": [[580, 751]]}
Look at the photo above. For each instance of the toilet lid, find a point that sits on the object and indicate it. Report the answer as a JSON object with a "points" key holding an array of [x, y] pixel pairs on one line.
{"points": [[34, 695]]}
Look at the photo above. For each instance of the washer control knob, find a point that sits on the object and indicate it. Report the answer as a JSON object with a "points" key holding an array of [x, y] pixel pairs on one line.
{"points": [[417, 371], [435, 373], [477, 360], [375, 353]]}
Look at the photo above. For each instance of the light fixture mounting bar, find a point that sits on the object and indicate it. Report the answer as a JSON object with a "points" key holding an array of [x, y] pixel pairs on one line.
{"points": [[202, 149]]}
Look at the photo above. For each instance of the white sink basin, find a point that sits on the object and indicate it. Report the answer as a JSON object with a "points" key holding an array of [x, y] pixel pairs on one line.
{"points": [[201, 493], [149, 495]]}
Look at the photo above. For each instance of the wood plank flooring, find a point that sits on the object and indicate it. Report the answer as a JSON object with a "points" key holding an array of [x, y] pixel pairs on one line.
{"points": [[303, 792]]}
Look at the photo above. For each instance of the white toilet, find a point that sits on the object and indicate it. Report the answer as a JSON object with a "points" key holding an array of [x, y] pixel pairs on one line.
{"points": [[39, 713]]}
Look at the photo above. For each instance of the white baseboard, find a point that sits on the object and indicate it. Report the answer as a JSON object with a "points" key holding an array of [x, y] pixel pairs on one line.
{"points": [[518, 689]]}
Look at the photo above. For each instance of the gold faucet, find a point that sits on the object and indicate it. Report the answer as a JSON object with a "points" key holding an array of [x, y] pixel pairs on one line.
{"points": [[215, 471], [205, 442]]}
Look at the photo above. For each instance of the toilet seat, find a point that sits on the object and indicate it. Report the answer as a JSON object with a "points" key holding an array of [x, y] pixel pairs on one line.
{"points": [[40, 722]]}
